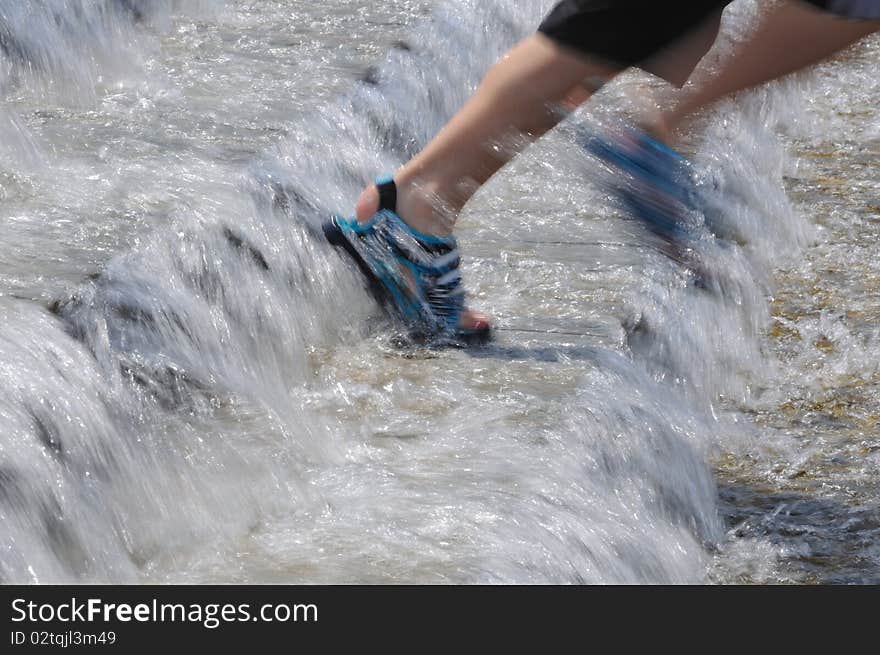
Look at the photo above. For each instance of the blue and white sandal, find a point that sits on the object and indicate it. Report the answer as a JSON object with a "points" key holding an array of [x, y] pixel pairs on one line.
{"points": [[415, 276], [656, 183], [660, 187]]}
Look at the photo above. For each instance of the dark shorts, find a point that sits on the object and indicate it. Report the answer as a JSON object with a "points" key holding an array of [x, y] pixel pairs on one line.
{"points": [[627, 32]]}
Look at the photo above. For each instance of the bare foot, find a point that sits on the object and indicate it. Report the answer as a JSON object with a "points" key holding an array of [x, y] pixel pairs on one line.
{"points": [[367, 205]]}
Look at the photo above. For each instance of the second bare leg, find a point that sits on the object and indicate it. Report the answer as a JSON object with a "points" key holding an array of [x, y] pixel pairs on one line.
{"points": [[792, 36]]}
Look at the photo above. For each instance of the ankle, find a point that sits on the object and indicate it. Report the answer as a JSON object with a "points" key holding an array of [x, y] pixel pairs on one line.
{"points": [[658, 128], [420, 204], [425, 208]]}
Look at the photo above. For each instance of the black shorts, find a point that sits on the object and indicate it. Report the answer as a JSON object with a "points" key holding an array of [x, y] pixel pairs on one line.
{"points": [[627, 32]]}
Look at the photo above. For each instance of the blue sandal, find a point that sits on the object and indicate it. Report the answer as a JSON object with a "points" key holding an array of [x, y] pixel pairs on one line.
{"points": [[430, 299], [658, 186]]}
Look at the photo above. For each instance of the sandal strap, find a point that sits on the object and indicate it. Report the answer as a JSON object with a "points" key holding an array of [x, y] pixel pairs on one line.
{"points": [[387, 193], [431, 254], [435, 268]]}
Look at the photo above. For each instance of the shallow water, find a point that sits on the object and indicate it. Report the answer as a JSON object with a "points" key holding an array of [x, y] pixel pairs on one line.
{"points": [[214, 398]]}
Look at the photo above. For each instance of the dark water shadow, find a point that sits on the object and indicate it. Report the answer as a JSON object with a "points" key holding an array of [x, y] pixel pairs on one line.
{"points": [[539, 353], [827, 541]]}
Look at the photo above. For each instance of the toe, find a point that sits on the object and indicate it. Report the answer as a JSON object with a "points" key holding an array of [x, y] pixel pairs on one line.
{"points": [[474, 320]]}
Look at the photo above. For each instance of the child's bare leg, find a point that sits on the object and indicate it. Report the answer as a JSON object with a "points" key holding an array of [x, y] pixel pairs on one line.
{"points": [[513, 100], [792, 36]]}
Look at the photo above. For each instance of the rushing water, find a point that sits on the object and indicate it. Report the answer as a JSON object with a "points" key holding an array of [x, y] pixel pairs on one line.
{"points": [[195, 389]]}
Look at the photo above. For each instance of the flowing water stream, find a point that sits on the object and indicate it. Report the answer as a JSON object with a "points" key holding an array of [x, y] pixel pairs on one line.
{"points": [[194, 388]]}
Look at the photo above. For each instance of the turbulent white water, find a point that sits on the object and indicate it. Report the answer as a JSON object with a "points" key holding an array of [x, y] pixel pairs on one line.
{"points": [[193, 388]]}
